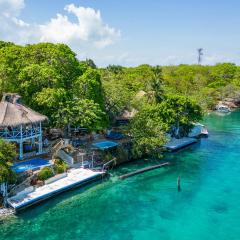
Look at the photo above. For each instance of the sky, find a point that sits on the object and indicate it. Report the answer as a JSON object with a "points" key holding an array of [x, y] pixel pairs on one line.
{"points": [[129, 32]]}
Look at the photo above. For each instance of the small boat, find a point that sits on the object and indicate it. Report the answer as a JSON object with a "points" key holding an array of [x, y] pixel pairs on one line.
{"points": [[223, 108], [199, 130]]}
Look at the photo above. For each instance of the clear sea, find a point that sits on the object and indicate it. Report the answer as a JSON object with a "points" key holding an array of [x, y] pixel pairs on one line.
{"points": [[149, 206]]}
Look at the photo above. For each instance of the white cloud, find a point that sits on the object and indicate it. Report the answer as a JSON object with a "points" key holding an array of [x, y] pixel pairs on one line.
{"points": [[11, 7], [89, 29], [11, 27]]}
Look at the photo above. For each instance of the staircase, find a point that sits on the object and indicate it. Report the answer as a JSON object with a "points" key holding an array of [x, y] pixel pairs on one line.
{"points": [[56, 147]]}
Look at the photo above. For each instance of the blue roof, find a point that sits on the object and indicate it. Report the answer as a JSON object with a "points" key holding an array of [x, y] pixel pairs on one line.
{"points": [[104, 145]]}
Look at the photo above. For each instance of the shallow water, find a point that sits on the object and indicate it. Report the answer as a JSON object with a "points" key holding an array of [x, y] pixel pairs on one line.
{"points": [[148, 206]]}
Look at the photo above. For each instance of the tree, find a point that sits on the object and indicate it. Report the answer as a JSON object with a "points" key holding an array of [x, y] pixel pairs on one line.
{"points": [[7, 155], [89, 86], [10, 63], [85, 65], [148, 131], [179, 113], [49, 101], [50, 78], [5, 44], [223, 73], [85, 113], [156, 84], [116, 69]]}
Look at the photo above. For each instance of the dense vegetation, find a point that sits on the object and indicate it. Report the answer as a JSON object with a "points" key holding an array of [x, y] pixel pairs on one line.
{"points": [[165, 99], [45, 173], [7, 155], [52, 81]]}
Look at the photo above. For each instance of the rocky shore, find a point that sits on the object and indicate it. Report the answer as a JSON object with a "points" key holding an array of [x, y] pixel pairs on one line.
{"points": [[5, 212], [232, 103]]}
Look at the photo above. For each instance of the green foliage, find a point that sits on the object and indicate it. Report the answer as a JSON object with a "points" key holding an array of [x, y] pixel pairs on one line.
{"points": [[70, 92], [89, 86], [45, 173], [49, 77], [223, 72], [118, 97], [85, 65], [202, 83], [148, 131], [50, 101], [156, 85], [7, 155], [107, 156], [175, 114], [179, 112], [84, 113], [60, 166], [5, 44], [116, 69]]}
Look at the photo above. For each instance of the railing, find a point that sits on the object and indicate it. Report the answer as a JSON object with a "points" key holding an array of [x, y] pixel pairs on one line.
{"points": [[112, 162], [17, 134]]}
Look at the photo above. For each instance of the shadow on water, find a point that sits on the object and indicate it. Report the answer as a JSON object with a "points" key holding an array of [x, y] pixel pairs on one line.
{"points": [[35, 210]]}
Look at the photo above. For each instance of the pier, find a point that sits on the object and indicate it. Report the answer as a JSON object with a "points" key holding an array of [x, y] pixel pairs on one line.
{"points": [[144, 170], [176, 144]]}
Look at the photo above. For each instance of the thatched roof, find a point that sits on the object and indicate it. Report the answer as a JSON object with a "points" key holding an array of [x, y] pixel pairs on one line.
{"points": [[13, 113], [140, 94], [127, 115]]}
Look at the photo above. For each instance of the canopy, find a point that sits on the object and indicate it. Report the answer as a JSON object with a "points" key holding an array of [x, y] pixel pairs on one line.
{"points": [[104, 145]]}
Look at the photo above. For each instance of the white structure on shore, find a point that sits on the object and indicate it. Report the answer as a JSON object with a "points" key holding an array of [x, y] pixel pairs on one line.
{"points": [[19, 123], [223, 108], [53, 186]]}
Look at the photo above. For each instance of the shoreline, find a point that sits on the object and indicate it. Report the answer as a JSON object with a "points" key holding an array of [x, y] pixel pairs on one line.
{"points": [[6, 212]]}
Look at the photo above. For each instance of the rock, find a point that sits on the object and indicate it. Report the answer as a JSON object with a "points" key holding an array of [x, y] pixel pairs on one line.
{"points": [[230, 102], [5, 212]]}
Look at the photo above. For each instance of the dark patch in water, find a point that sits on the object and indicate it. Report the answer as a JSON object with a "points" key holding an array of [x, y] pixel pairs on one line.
{"points": [[166, 215], [228, 190], [220, 208]]}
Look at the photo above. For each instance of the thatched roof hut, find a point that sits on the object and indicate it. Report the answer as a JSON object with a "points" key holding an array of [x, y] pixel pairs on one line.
{"points": [[13, 113], [127, 115]]}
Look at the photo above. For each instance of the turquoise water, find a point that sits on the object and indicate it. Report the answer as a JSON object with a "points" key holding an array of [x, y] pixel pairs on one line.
{"points": [[148, 206]]}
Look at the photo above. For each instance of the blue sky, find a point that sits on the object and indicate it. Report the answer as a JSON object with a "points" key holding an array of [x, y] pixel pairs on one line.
{"points": [[129, 32]]}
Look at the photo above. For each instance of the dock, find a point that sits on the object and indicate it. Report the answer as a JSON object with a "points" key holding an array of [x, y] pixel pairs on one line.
{"points": [[74, 178], [176, 144], [144, 170]]}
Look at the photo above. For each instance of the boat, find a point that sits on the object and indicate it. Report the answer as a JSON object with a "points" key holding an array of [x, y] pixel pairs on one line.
{"points": [[199, 130], [223, 108]]}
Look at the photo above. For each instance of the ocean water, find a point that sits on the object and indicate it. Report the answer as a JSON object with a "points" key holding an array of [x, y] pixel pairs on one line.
{"points": [[149, 206]]}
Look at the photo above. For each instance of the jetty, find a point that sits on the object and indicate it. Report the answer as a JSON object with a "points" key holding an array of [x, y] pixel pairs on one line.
{"points": [[144, 170], [176, 144], [72, 179]]}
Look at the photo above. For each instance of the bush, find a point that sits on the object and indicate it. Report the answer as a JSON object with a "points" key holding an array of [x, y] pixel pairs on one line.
{"points": [[59, 169], [60, 166], [107, 156], [45, 173]]}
